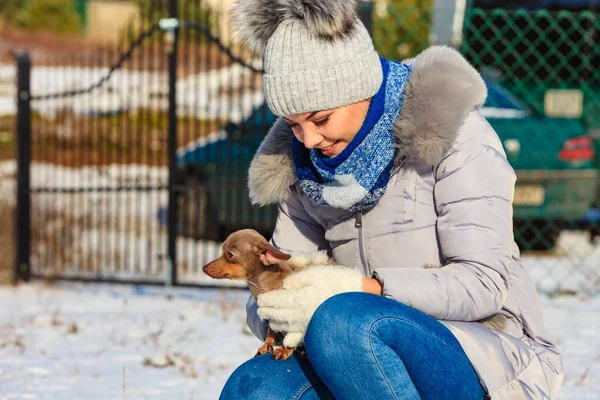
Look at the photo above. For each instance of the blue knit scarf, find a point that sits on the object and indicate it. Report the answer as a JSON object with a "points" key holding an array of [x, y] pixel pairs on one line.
{"points": [[356, 178]]}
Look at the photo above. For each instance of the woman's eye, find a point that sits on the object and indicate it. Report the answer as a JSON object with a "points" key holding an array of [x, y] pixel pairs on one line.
{"points": [[321, 122]]}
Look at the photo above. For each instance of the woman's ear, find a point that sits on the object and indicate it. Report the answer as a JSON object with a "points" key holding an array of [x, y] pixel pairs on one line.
{"points": [[269, 254]]}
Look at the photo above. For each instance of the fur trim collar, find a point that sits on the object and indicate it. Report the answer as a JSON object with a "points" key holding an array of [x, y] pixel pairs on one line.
{"points": [[442, 90]]}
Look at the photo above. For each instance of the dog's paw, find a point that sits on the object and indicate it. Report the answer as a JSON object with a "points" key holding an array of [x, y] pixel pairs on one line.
{"points": [[282, 353], [265, 348]]}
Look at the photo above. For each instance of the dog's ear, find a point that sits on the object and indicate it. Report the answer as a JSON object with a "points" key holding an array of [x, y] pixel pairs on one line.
{"points": [[269, 254]]}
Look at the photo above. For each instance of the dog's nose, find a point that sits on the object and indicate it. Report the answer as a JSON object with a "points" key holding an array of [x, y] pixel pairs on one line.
{"points": [[210, 270]]}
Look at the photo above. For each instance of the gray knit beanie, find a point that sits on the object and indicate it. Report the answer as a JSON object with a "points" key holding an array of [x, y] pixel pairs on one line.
{"points": [[317, 54]]}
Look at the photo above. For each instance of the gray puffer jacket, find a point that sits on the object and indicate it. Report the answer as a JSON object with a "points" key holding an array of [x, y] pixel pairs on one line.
{"points": [[448, 203]]}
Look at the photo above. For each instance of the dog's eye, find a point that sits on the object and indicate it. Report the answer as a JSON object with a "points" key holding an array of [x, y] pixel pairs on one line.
{"points": [[229, 255]]}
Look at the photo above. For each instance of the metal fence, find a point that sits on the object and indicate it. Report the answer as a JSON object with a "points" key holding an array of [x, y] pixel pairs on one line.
{"points": [[132, 160], [130, 154]]}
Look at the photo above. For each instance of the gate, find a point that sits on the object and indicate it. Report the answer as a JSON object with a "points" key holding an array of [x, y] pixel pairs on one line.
{"points": [[132, 158]]}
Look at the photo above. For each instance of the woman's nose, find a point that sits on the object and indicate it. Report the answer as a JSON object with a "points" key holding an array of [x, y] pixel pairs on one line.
{"points": [[311, 138]]}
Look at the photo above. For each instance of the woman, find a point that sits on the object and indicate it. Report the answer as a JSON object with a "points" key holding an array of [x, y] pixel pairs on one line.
{"points": [[391, 169]]}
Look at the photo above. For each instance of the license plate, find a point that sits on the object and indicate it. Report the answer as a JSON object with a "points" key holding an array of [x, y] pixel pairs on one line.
{"points": [[563, 103], [529, 195]]}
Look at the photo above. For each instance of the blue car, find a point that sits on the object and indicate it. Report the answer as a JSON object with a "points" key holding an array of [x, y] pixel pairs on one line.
{"points": [[212, 181]]}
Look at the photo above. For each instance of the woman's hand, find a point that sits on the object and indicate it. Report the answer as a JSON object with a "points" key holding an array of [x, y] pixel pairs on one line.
{"points": [[372, 285]]}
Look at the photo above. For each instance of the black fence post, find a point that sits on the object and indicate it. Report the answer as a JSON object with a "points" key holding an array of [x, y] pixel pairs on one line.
{"points": [[172, 145], [23, 155]]}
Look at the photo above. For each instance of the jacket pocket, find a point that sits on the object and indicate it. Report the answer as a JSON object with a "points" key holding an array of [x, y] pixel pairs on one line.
{"points": [[417, 194]]}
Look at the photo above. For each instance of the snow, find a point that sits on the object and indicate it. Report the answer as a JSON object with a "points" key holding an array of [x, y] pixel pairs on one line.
{"points": [[76, 341], [573, 266], [575, 323]]}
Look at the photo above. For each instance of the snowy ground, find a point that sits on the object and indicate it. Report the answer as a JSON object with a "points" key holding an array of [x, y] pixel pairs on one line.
{"points": [[102, 342], [78, 343]]}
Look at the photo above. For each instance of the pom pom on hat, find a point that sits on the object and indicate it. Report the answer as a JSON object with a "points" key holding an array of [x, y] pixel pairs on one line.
{"points": [[257, 20]]}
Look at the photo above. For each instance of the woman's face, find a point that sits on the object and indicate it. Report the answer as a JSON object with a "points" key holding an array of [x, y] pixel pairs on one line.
{"points": [[329, 130]]}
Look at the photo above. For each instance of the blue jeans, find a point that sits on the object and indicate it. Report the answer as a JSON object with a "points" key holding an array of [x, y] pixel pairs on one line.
{"points": [[363, 346]]}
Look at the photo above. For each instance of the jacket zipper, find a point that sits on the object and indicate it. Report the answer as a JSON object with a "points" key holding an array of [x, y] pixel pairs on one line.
{"points": [[359, 225]]}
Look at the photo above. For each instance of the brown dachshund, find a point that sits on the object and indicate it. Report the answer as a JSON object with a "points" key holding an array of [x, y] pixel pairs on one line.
{"points": [[248, 256]]}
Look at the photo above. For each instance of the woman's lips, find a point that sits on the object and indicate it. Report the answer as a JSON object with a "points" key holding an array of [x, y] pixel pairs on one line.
{"points": [[328, 151]]}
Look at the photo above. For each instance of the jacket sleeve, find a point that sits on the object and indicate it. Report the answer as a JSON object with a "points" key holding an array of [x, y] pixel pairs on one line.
{"points": [[295, 232], [257, 325], [473, 198]]}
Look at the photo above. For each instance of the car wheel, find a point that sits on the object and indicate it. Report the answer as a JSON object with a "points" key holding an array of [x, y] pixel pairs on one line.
{"points": [[536, 234], [196, 217]]}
